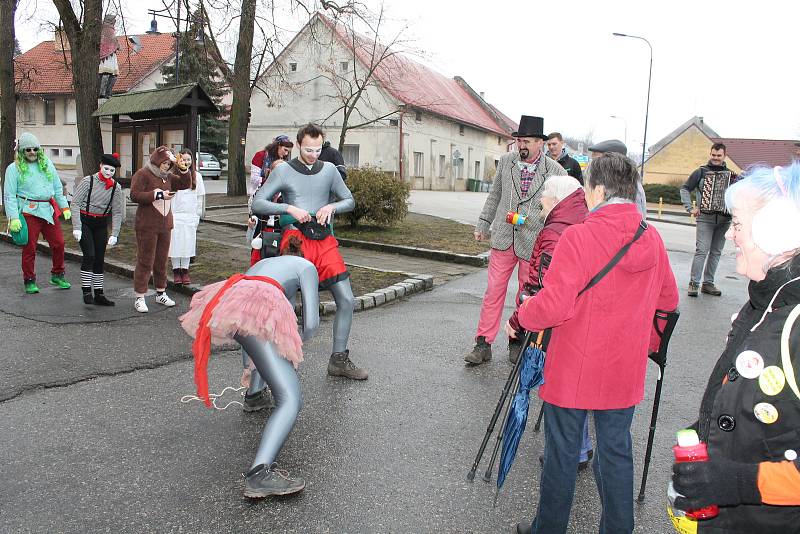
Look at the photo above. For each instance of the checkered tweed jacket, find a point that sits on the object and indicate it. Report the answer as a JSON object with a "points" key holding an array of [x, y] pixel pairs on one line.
{"points": [[506, 195]]}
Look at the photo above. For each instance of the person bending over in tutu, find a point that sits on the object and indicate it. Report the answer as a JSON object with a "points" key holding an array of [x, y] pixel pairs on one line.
{"points": [[255, 310]]}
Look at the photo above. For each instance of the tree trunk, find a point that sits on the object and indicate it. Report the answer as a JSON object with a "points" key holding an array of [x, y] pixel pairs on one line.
{"points": [[240, 88], [84, 42], [8, 99]]}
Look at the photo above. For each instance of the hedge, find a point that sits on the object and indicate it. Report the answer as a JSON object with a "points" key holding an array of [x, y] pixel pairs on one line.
{"points": [[671, 194]]}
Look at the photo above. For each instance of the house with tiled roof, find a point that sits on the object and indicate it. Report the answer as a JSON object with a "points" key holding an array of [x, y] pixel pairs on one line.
{"points": [[436, 131], [43, 81], [673, 158]]}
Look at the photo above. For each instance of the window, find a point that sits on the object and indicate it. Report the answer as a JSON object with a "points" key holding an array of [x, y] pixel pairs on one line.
{"points": [[419, 164], [67, 152], [418, 116], [459, 164], [70, 114], [49, 111], [343, 65], [350, 155], [442, 163], [393, 122], [293, 67], [477, 170], [28, 110], [460, 129], [53, 152], [499, 140]]}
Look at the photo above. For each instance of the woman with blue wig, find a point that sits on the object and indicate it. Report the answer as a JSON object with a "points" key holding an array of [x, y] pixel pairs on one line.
{"points": [[750, 412]]}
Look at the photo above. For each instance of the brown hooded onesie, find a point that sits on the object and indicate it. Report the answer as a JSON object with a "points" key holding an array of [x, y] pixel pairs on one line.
{"points": [[154, 219]]}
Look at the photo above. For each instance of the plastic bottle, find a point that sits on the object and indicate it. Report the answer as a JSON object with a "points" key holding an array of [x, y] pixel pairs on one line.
{"points": [[691, 449]]}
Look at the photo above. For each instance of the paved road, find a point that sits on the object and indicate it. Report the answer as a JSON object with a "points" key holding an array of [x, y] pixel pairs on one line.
{"points": [[95, 437]]}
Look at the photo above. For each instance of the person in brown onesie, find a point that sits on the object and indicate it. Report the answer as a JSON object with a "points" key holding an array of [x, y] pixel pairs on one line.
{"points": [[152, 188]]}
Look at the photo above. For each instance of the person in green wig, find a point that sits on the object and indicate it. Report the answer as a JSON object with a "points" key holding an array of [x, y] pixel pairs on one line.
{"points": [[34, 197]]}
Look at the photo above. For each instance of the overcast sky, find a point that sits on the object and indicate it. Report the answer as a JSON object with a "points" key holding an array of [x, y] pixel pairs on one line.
{"points": [[733, 62]]}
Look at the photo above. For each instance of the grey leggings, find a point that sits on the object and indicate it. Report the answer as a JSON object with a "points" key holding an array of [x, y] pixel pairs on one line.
{"points": [[285, 386], [343, 320]]}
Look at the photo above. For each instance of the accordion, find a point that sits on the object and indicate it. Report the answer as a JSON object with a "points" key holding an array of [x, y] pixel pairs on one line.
{"points": [[712, 194]]}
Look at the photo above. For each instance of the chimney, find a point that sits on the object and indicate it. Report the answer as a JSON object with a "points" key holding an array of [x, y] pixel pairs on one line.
{"points": [[482, 93], [60, 40]]}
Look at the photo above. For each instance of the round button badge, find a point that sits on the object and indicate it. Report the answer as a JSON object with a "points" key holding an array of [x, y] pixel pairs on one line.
{"points": [[749, 364], [766, 413], [790, 455], [772, 380]]}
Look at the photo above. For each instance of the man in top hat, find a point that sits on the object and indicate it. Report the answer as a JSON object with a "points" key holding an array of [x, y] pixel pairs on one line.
{"points": [[510, 218]]}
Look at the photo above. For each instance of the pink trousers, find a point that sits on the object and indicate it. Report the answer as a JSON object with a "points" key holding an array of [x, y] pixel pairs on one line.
{"points": [[501, 265]]}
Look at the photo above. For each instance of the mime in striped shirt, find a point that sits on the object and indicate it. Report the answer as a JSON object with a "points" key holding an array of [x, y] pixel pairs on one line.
{"points": [[97, 197]]}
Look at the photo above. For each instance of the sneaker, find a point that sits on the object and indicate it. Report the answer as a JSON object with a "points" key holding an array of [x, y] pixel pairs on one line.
{"points": [[481, 353], [262, 481], [31, 287], [710, 289], [692, 289], [58, 280], [164, 299], [514, 348], [140, 305], [257, 401], [87, 297], [341, 365], [101, 300]]}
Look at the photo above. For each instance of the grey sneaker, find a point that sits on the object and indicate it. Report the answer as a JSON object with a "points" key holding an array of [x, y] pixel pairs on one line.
{"points": [[710, 289], [341, 365], [482, 352], [262, 481], [257, 401], [692, 289]]}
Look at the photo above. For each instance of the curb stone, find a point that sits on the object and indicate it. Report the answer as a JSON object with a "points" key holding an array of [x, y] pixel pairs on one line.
{"points": [[364, 302]]}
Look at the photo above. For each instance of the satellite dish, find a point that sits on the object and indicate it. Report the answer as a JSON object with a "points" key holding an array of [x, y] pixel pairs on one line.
{"points": [[136, 43]]}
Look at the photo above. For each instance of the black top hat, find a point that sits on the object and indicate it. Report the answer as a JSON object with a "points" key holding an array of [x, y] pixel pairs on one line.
{"points": [[530, 127]]}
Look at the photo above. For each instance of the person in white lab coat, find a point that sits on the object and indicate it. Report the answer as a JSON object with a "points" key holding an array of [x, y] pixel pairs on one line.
{"points": [[187, 208]]}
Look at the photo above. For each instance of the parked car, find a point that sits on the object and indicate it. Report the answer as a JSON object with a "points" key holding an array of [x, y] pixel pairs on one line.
{"points": [[208, 166]]}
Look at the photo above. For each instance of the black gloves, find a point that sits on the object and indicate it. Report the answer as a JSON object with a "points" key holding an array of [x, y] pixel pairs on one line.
{"points": [[722, 482]]}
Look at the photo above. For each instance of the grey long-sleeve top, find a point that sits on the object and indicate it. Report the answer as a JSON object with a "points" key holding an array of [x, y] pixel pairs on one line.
{"points": [[309, 189], [101, 197]]}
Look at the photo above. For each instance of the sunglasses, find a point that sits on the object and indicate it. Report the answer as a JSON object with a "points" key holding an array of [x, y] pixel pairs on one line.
{"points": [[32, 149]]}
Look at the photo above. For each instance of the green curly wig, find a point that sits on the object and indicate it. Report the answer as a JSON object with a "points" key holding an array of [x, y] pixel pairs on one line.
{"points": [[42, 161]]}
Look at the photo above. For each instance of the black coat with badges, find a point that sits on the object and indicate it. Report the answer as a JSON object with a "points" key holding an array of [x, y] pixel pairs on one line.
{"points": [[730, 421]]}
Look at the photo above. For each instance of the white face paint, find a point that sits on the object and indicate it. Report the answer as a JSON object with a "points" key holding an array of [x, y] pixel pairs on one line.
{"points": [[108, 171]]}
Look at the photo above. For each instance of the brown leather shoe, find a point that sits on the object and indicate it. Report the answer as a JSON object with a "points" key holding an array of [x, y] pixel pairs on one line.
{"points": [[692, 289], [482, 352], [710, 289]]}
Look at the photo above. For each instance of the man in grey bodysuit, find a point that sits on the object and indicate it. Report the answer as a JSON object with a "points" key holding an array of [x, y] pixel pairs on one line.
{"points": [[308, 187]]}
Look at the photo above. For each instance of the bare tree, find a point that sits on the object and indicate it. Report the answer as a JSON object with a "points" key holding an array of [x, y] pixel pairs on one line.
{"points": [[372, 64], [8, 98], [83, 31], [580, 142]]}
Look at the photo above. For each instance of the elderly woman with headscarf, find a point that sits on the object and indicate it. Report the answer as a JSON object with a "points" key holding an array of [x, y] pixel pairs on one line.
{"points": [[750, 412]]}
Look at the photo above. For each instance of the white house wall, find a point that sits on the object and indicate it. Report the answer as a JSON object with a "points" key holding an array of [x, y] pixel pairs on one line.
{"points": [[292, 104]]}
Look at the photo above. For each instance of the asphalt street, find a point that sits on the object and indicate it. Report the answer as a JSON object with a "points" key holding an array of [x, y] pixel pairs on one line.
{"points": [[96, 438]]}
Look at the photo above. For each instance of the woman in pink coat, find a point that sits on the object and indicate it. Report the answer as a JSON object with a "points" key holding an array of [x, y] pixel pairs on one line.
{"points": [[597, 356]]}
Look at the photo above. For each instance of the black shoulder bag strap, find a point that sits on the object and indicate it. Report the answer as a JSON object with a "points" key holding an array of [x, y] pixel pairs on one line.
{"points": [[615, 260]]}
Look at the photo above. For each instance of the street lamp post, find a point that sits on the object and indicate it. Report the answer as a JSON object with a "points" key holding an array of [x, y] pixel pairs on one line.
{"points": [[625, 122], [649, 79]]}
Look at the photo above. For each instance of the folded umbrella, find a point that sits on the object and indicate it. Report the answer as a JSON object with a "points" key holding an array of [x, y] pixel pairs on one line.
{"points": [[531, 375]]}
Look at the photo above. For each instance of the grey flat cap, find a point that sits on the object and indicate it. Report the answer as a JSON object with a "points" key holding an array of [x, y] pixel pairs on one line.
{"points": [[612, 145]]}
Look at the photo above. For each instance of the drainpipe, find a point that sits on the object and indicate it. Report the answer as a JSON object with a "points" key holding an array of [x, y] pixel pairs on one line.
{"points": [[400, 160]]}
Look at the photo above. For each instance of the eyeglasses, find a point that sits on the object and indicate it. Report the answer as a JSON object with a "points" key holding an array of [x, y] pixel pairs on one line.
{"points": [[32, 149]]}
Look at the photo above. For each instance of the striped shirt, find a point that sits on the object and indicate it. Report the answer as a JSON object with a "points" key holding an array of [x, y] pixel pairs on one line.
{"points": [[99, 202]]}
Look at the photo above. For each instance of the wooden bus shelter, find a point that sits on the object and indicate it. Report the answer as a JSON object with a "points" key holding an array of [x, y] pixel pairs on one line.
{"points": [[145, 120]]}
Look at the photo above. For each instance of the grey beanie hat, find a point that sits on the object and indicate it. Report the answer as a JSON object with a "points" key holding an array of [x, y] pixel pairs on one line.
{"points": [[28, 140]]}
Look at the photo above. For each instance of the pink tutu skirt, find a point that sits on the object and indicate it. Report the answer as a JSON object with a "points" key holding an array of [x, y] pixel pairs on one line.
{"points": [[248, 308]]}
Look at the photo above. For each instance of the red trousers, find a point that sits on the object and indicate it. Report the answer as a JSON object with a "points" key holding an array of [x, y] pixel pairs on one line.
{"points": [[53, 236]]}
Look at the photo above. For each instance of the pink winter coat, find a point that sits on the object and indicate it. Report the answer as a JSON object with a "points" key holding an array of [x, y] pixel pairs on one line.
{"points": [[597, 355]]}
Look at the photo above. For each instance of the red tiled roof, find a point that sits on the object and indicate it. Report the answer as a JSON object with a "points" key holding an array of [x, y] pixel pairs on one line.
{"points": [[423, 88], [41, 70], [749, 152]]}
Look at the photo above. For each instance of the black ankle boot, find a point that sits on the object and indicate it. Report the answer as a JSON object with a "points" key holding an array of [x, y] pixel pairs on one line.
{"points": [[100, 299], [87, 295]]}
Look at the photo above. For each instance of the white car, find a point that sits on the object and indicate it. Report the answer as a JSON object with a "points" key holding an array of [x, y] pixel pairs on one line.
{"points": [[208, 166]]}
